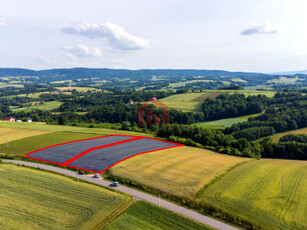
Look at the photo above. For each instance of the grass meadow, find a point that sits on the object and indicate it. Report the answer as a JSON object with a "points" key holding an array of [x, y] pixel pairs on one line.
{"points": [[193, 101], [254, 191], [12, 134], [223, 123], [34, 199], [142, 215], [189, 101], [50, 105], [181, 171]]}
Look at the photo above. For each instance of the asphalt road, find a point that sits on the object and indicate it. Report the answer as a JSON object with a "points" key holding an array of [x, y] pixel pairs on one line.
{"points": [[137, 195]]}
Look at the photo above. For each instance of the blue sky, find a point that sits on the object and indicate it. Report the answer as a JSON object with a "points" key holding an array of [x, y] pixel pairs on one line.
{"points": [[235, 35]]}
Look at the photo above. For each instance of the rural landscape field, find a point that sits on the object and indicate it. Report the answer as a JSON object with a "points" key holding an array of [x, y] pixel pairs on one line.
{"points": [[180, 171], [272, 192], [35, 199], [142, 215], [157, 115]]}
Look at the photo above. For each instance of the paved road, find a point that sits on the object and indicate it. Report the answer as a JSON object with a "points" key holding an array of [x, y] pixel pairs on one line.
{"points": [[137, 195]]}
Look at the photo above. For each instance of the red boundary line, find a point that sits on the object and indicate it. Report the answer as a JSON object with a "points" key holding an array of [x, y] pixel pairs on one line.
{"points": [[100, 147], [27, 156]]}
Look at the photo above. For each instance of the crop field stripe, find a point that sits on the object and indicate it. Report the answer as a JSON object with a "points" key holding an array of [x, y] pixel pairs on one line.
{"points": [[140, 154], [137, 138], [66, 143], [34, 158], [98, 147]]}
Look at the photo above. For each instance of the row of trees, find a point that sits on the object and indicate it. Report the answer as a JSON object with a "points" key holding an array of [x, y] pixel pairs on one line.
{"points": [[226, 105], [283, 149], [289, 147], [210, 139], [275, 120], [301, 138]]}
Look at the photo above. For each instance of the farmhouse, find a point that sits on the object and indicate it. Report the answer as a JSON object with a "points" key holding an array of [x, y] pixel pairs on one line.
{"points": [[153, 99], [12, 119], [35, 103], [132, 102]]}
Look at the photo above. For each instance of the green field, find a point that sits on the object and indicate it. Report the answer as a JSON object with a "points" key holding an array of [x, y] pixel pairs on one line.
{"points": [[223, 123], [180, 84], [33, 199], [32, 95], [63, 128], [254, 191], [50, 105], [180, 171], [193, 101], [142, 215], [189, 101]]}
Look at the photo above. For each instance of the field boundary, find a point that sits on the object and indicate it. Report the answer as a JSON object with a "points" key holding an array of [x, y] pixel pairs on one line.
{"points": [[219, 177], [100, 147], [64, 175], [116, 214]]}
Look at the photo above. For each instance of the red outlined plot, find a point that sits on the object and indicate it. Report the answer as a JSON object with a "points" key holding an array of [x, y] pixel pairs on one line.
{"points": [[108, 152]]}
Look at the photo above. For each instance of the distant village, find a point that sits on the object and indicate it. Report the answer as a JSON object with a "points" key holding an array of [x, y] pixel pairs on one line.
{"points": [[12, 119]]}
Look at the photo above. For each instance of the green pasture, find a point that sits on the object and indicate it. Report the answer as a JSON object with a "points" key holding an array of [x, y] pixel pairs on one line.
{"points": [[192, 101], [223, 123], [50, 105], [189, 101]]}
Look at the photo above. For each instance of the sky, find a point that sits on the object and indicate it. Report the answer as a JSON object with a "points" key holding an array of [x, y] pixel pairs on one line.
{"points": [[236, 35]]}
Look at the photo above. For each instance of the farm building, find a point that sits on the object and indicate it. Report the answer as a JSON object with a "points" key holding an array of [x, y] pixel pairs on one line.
{"points": [[12, 119], [153, 99], [29, 120]]}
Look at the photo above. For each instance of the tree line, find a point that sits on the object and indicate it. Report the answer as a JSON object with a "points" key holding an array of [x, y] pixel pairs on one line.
{"points": [[285, 117], [292, 147]]}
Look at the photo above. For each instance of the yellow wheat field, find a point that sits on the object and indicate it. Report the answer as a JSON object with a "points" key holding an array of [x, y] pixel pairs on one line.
{"points": [[13, 134], [180, 171]]}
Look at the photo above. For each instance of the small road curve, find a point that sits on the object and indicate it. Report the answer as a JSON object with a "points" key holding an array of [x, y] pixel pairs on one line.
{"points": [[136, 195]]}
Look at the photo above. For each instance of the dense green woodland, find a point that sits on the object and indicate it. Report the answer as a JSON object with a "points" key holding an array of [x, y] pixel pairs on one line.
{"points": [[301, 138], [227, 144]]}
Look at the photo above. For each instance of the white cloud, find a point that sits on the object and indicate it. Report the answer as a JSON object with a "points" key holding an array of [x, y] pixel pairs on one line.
{"points": [[81, 51], [256, 28], [3, 22], [116, 37]]}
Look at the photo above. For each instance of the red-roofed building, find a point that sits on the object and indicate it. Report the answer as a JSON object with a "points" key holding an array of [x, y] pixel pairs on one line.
{"points": [[153, 99], [12, 119]]}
